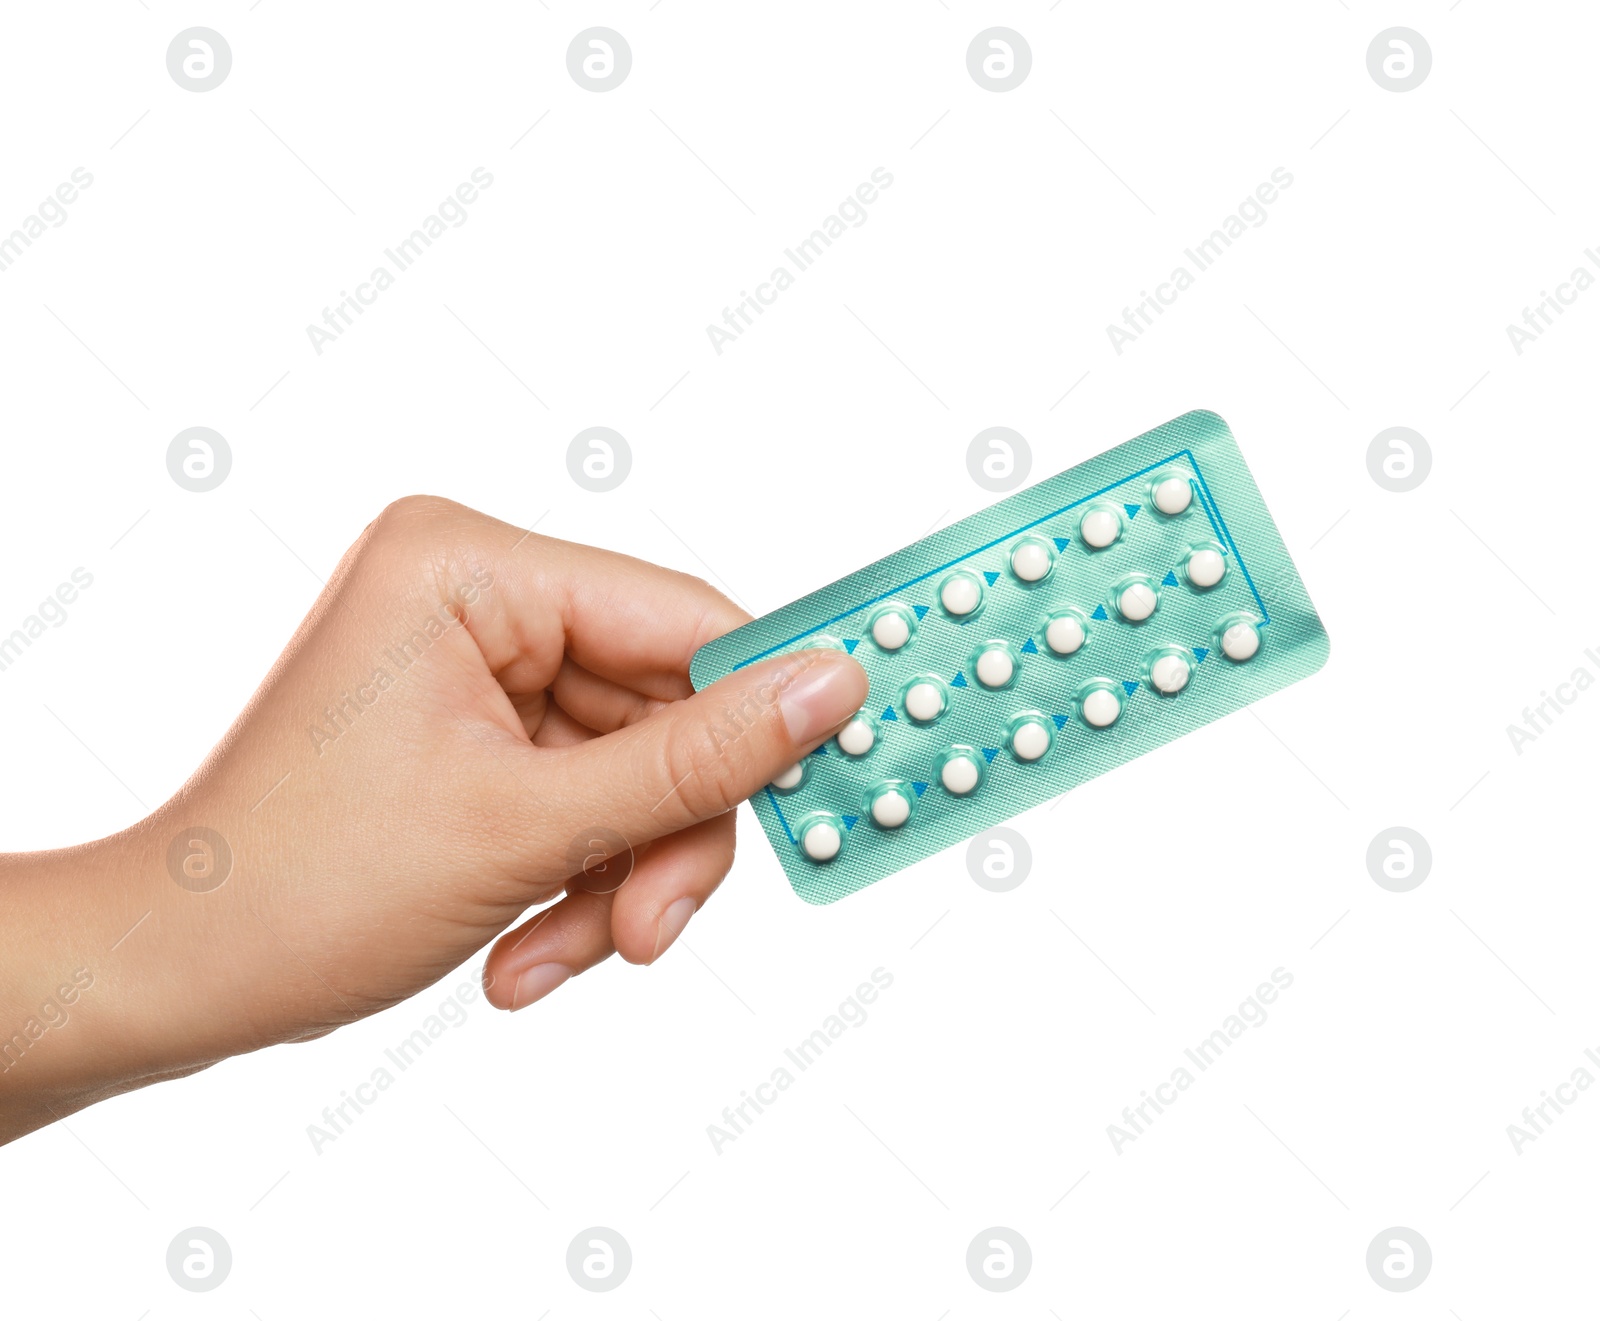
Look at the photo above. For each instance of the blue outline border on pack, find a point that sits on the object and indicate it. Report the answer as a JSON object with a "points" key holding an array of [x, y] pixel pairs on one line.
{"points": [[1208, 503]]}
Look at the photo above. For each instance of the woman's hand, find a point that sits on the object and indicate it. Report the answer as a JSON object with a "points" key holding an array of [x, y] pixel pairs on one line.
{"points": [[471, 721]]}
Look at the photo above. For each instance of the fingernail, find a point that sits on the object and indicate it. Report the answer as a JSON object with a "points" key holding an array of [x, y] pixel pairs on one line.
{"points": [[822, 694], [672, 924], [537, 983]]}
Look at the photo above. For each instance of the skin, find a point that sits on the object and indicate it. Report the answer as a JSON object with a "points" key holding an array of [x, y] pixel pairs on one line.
{"points": [[540, 740]]}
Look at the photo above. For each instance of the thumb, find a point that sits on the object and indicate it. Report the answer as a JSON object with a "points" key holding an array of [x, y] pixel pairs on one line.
{"points": [[699, 757]]}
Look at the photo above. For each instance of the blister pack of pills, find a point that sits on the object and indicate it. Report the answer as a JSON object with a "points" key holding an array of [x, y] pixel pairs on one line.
{"points": [[1045, 640]]}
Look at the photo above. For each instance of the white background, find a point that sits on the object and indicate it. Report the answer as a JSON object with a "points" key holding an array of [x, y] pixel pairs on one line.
{"points": [[1018, 225]]}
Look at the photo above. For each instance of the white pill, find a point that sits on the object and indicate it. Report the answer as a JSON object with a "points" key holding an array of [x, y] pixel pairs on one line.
{"points": [[1101, 707], [822, 840], [1241, 642], [890, 809], [959, 595], [1205, 568], [790, 778], [1100, 527], [1030, 741], [890, 631], [857, 737], [1136, 602], [1170, 673], [1172, 496], [1030, 561], [995, 668], [1064, 635], [959, 775], [924, 701]]}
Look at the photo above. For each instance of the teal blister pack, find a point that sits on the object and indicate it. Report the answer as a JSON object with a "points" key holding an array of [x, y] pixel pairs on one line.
{"points": [[1055, 635]]}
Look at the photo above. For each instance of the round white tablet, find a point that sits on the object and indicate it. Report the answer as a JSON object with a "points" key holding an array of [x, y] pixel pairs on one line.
{"points": [[890, 809], [821, 841], [959, 595], [1101, 707], [1169, 674], [1172, 495], [995, 668], [1064, 635], [1030, 741], [890, 631], [857, 737], [1136, 601], [1241, 642], [924, 701], [1100, 527], [1030, 561], [1205, 568], [790, 778], [959, 775]]}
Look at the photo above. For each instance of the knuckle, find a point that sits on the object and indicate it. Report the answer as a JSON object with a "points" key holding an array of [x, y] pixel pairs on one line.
{"points": [[702, 773], [717, 612], [415, 534], [413, 516], [693, 582]]}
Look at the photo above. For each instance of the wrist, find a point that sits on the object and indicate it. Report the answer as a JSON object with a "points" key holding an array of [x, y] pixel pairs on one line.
{"points": [[90, 993]]}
